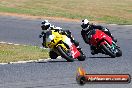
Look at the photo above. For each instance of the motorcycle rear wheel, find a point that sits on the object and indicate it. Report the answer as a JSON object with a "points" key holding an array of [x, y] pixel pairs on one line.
{"points": [[64, 54]]}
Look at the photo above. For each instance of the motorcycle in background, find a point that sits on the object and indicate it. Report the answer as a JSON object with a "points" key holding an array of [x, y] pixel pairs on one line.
{"points": [[62, 46], [103, 43]]}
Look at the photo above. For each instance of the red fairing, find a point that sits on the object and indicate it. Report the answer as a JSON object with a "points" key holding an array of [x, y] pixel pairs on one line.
{"points": [[98, 36], [109, 40], [75, 52]]}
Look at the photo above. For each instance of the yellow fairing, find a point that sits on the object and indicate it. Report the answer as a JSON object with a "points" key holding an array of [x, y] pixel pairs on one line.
{"points": [[57, 37]]}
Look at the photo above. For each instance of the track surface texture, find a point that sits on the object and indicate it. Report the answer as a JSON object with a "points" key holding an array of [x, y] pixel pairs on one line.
{"points": [[59, 73]]}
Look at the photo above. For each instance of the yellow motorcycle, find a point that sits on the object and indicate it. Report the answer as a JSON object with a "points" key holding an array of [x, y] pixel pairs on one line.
{"points": [[62, 46]]}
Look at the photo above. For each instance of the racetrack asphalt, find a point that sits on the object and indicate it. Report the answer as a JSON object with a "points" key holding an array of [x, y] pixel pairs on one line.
{"points": [[59, 73]]}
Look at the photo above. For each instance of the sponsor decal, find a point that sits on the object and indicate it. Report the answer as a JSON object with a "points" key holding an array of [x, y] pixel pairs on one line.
{"points": [[74, 51]]}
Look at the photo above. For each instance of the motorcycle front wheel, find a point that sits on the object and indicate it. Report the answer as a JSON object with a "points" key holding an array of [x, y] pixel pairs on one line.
{"points": [[119, 53], [82, 56], [65, 54], [108, 51]]}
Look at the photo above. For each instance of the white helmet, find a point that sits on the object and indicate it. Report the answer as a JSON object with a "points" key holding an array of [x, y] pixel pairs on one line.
{"points": [[45, 25], [85, 23]]}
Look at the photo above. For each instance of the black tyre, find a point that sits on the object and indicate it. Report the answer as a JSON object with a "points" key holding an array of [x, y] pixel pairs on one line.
{"points": [[81, 57], [119, 53], [65, 54], [108, 51], [53, 55]]}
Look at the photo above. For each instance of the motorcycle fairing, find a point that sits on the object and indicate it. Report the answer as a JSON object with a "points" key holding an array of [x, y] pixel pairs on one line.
{"points": [[53, 38], [98, 36]]}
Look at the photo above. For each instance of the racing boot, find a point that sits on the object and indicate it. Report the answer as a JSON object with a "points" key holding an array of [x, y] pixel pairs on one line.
{"points": [[76, 43]]}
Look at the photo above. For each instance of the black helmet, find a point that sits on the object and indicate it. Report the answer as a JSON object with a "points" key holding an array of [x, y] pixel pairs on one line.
{"points": [[85, 23], [45, 25]]}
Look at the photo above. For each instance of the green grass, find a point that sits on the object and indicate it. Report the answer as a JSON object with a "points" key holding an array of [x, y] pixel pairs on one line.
{"points": [[108, 11], [12, 53]]}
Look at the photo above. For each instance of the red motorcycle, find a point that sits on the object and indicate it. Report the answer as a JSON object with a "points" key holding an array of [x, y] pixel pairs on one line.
{"points": [[103, 43]]}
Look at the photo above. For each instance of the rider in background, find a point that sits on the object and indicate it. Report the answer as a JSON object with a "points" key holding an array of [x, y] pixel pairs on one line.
{"points": [[46, 26], [87, 27]]}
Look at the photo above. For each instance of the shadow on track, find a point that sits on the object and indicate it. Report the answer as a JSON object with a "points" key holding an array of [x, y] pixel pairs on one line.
{"points": [[56, 61], [99, 57], [52, 61]]}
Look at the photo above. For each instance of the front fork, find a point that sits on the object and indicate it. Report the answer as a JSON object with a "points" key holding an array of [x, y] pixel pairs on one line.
{"points": [[113, 47]]}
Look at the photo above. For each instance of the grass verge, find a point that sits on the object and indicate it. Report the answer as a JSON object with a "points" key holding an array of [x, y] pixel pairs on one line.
{"points": [[108, 11], [13, 53]]}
